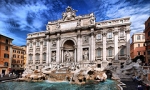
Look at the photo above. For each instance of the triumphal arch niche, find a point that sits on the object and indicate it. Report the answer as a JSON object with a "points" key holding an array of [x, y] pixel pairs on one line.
{"points": [[80, 41]]}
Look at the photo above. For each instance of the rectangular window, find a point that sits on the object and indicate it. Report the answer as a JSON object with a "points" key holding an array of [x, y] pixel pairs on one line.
{"points": [[37, 43], [138, 45], [98, 36], [30, 45], [44, 43], [138, 52], [148, 52], [30, 57], [37, 57], [44, 56], [144, 53], [109, 35], [121, 33], [6, 48], [109, 52], [98, 52], [122, 51], [6, 55]]}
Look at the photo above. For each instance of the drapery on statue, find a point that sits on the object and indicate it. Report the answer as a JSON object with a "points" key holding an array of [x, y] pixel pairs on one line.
{"points": [[53, 56], [85, 54], [67, 56]]}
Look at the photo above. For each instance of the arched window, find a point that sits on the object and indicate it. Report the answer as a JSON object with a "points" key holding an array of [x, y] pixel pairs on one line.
{"points": [[138, 37]]}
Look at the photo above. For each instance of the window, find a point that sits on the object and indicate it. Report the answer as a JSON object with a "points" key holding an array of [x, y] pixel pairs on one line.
{"points": [[37, 43], [30, 45], [44, 43], [110, 52], [98, 52], [122, 51], [36, 67], [44, 56], [109, 35], [30, 57], [148, 52], [144, 53], [5, 63], [149, 33], [6, 48], [121, 33], [98, 36], [138, 52], [143, 37], [18, 61], [37, 56], [6, 41], [138, 45], [138, 37], [6, 55], [18, 56]]}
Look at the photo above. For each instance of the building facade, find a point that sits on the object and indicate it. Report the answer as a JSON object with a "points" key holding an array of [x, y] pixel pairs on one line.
{"points": [[137, 46], [79, 41], [147, 40], [18, 59], [5, 54]]}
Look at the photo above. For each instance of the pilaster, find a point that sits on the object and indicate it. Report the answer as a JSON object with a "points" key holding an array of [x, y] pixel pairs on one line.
{"points": [[34, 47], [104, 46], [116, 44], [128, 42]]}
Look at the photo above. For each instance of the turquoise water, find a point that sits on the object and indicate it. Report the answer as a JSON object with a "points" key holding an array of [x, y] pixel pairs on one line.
{"points": [[107, 85]]}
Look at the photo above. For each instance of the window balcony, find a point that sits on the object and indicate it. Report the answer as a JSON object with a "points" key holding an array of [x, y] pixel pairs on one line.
{"points": [[30, 62], [37, 61]]}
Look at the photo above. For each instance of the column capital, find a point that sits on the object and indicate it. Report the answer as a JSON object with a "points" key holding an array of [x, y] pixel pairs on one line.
{"points": [[127, 31], [115, 32]]}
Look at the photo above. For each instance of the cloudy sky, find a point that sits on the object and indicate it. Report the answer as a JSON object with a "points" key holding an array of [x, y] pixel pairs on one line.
{"points": [[20, 17]]}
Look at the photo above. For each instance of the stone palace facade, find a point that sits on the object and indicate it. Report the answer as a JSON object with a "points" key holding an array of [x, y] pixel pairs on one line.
{"points": [[79, 41]]}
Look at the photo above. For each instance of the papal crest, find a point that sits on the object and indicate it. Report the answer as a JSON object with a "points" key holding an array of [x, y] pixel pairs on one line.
{"points": [[69, 14]]}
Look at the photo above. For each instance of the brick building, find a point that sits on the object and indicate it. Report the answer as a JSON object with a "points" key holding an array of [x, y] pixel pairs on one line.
{"points": [[137, 46], [147, 39], [5, 54], [18, 59]]}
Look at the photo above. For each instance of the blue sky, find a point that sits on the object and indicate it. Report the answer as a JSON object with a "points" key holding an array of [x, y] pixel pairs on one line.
{"points": [[20, 17]]}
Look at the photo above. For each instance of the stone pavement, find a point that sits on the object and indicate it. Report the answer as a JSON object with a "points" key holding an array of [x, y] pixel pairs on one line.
{"points": [[6, 77]]}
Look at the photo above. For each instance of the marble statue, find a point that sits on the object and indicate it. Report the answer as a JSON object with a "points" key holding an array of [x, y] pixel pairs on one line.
{"points": [[53, 56], [67, 56], [54, 43], [85, 54]]}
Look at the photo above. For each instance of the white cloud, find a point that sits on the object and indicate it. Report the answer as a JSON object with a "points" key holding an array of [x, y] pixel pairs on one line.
{"points": [[138, 15]]}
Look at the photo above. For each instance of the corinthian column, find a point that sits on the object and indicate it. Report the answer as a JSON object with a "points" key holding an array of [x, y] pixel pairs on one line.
{"points": [[104, 46], [58, 49], [79, 54], [128, 41], [116, 44], [92, 45], [41, 51], [34, 47], [47, 49]]}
